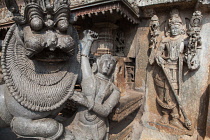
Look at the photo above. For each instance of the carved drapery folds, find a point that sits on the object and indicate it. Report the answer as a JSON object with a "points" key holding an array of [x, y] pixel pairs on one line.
{"points": [[175, 49]]}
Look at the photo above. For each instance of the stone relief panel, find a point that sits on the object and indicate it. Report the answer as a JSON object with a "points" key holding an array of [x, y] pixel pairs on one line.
{"points": [[170, 56]]}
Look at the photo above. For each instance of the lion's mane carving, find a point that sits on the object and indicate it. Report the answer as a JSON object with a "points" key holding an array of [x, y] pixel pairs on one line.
{"points": [[40, 64], [35, 84]]}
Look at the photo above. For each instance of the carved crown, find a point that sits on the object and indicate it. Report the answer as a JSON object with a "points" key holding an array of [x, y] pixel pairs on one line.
{"points": [[45, 10], [42, 9], [175, 18]]}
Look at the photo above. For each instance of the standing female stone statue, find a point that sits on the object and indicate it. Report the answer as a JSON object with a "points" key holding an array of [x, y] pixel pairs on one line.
{"points": [[98, 97]]}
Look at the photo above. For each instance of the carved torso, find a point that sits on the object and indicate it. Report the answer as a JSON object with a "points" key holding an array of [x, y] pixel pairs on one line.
{"points": [[172, 48], [89, 117]]}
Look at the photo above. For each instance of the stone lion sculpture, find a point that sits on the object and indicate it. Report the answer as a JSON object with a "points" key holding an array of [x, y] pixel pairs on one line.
{"points": [[40, 66], [41, 63]]}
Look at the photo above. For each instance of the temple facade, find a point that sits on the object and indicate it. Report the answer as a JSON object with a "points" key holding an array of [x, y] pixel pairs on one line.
{"points": [[162, 57]]}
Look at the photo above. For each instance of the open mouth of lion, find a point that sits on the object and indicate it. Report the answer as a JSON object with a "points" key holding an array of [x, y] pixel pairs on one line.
{"points": [[56, 56]]}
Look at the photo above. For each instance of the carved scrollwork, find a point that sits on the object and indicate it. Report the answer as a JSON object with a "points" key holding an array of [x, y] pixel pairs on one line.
{"points": [[194, 45]]}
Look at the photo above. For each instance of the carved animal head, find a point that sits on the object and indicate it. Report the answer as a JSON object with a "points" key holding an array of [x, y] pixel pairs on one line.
{"points": [[90, 35], [46, 28], [39, 58]]}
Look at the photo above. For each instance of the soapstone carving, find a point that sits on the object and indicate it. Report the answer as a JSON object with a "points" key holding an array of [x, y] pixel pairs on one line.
{"points": [[40, 68], [194, 45], [170, 54], [154, 33], [98, 97]]}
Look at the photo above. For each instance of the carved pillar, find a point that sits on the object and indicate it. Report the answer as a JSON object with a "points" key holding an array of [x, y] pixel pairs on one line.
{"points": [[105, 43]]}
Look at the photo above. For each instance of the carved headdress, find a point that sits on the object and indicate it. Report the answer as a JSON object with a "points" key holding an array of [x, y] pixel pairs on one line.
{"points": [[175, 18], [44, 12]]}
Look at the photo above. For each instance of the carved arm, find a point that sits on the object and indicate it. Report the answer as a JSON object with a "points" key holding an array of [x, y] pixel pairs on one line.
{"points": [[105, 108], [160, 50], [86, 42], [87, 75]]}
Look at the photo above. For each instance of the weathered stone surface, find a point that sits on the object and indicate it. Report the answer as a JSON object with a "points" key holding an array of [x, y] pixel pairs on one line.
{"points": [[191, 97], [207, 122], [134, 38], [142, 3]]}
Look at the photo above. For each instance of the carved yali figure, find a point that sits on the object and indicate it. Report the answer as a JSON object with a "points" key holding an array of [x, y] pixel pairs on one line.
{"points": [[98, 97], [168, 80], [39, 63]]}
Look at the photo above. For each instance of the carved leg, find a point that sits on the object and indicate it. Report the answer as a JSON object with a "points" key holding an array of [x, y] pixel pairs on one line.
{"points": [[165, 117], [42, 128], [175, 118]]}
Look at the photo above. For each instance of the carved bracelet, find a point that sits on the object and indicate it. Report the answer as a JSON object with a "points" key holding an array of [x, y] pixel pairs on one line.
{"points": [[85, 55]]}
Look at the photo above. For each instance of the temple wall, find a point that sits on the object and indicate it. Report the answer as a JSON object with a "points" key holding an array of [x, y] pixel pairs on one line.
{"points": [[194, 95], [140, 114]]}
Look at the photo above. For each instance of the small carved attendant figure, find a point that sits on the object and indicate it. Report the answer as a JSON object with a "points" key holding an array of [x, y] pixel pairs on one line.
{"points": [[98, 98], [168, 80]]}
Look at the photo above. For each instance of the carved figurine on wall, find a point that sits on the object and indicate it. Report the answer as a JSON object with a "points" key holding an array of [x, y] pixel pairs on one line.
{"points": [[154, 33], [98, 97], [170, 56], [194, 45], [40, 67]]}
